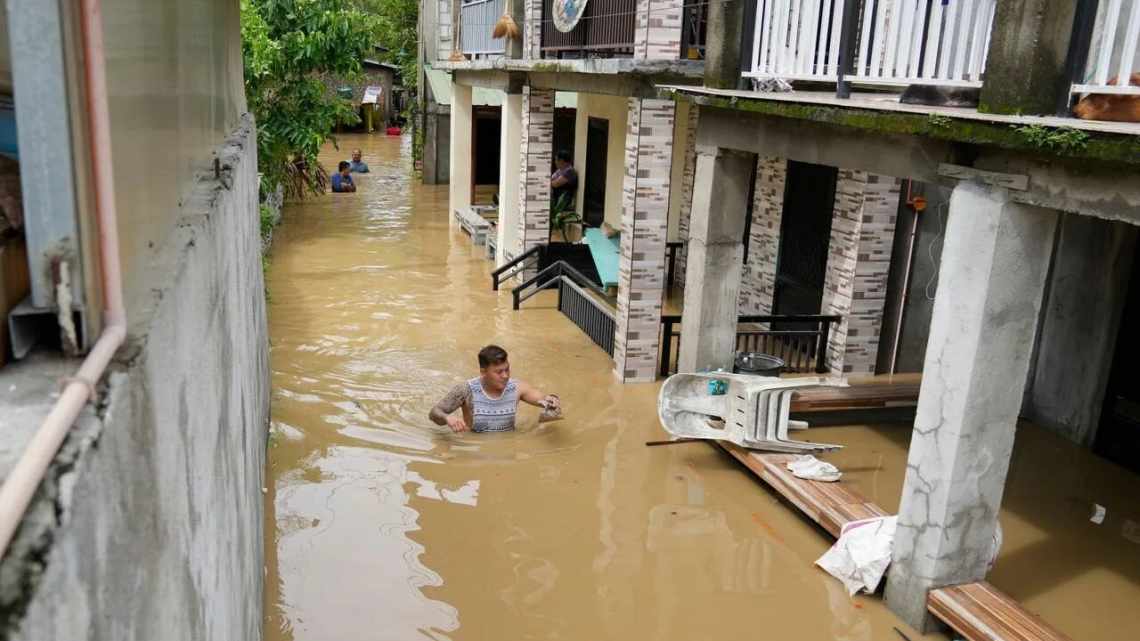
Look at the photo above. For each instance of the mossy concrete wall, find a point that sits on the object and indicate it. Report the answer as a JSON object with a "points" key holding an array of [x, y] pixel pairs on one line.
{"points": [[1025, 68]]}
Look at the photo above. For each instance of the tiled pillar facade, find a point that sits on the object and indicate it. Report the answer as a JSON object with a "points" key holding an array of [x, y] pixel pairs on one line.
{"points": [[758, 277], [858, 261], [657, 32], [644, 224], [686, 211], [534, 167], [532, 30]]}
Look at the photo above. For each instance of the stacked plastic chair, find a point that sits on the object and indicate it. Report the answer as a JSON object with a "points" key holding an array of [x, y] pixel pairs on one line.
{"points": [[750, 411]]}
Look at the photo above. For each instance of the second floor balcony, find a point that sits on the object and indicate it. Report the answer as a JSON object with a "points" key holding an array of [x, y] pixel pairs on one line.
{"points": [[940, 43], [594, 29]]}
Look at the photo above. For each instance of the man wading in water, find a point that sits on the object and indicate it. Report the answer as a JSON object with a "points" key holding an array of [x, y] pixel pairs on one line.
{"points": [[490, 401]]}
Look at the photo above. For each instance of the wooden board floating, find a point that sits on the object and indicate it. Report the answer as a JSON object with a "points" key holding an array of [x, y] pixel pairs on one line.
{"points": [[977, 611], [981, 612], [831, 505]]}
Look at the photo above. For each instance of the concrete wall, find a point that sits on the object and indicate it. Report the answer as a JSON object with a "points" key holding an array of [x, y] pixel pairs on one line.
{"points": [[615, 109], [174, 75], [1080, 318], [149, 525]]}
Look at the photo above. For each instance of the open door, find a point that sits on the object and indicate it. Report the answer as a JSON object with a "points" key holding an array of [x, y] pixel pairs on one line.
{"points": [[597, 154], [1118, 436], [805, 236]]}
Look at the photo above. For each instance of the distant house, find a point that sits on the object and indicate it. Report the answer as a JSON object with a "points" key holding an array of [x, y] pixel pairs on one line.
{"points": [[377, 94]]}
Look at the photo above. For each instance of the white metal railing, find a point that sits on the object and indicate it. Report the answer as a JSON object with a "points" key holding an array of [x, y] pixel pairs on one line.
{"points": [[898, 42], [478, 21], [1113, 54]]}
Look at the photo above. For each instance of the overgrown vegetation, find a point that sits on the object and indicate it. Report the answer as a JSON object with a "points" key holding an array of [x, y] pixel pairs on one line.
{"points": [[286, 46], [939, 121], [1053, 139]]}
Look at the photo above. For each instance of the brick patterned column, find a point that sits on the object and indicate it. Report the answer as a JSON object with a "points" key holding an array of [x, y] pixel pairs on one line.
{"points": [[758, 279], [858, 261], [657, 32], [644, 225], [685, 214], [534, 167], [532, 30]]}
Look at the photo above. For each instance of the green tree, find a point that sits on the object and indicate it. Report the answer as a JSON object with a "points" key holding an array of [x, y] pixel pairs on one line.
{"points": [[288, 46], [397, 30]]}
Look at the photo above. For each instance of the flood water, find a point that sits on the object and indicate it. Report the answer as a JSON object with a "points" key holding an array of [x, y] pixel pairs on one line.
{"points": [[381, 525]]}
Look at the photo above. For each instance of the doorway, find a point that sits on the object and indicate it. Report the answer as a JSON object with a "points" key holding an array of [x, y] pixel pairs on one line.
{"points": [[485, 149], [597, 154], [1118, 436], [805, 236]]}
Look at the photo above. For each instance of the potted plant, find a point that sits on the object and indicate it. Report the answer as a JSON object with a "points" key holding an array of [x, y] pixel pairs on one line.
{"points": [[565, 219]]}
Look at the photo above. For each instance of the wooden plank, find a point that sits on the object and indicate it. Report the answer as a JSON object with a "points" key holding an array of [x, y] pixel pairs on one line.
{"points": [[981, 612], [831, 505], [868, 396]]}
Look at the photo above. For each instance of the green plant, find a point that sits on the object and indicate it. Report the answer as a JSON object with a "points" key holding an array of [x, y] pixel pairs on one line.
{"points": [[287, 47], [1064, 139], [268, 221], [938, 121], [562, 214]]}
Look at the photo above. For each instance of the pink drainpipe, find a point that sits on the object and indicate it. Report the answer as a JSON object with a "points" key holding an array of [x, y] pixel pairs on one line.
{"points": [[21, 484]]}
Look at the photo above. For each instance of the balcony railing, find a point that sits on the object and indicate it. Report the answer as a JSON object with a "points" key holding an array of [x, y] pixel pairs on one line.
{"points": [[604, 30], [895, 42], [1111, 29], [478, 21]]}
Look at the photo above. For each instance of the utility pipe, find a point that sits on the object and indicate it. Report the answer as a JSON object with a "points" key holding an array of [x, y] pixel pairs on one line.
{"points": [[21, 484], [906, 277]]}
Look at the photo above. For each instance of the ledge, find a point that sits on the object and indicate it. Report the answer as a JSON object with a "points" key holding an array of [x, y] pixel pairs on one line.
{"points": [[1104, 141], [602, 66]]}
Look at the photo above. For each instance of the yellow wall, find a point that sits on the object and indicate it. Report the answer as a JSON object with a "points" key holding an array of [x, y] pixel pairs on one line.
{"points": [[615, 109]]}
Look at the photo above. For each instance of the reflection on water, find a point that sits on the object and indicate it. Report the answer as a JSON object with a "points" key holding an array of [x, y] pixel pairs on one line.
{"points": [[383, 526]]}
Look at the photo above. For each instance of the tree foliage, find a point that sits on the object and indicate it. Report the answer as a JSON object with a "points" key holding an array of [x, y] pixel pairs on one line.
{"points": [[287, 46], [397, 30]]}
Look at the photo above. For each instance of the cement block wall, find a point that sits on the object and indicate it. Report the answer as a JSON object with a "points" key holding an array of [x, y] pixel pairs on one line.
{"points": [[150, 525]]}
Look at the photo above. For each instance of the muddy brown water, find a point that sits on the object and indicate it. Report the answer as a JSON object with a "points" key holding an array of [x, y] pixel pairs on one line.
{"points": [[381, 525]]}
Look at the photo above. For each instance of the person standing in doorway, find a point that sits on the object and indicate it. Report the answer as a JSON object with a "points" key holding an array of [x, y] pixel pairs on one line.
{"points": [[490, 400], [564, 180], [342, 180], [357, 166]]}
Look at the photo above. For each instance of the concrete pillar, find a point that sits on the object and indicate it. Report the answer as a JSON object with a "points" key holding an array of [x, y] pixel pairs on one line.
{"points": [[657, 30], [758, 278], [712, 277], [509, 173], [535, 157], [461, 170], [722, 44], [1025, 67], [993, 269], [644, 225], [858, 263], [686, 210]]}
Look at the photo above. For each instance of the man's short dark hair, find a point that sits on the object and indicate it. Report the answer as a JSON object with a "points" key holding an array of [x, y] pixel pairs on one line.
{"points": [[342, 165], [491, 355], [563, 155]]}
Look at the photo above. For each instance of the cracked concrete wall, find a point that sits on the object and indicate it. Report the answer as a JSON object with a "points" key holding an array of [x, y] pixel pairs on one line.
{"points": [[149, 525]]}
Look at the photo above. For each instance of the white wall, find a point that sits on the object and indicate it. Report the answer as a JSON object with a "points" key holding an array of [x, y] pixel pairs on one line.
{"points": [[615, 109], [510, 174]]}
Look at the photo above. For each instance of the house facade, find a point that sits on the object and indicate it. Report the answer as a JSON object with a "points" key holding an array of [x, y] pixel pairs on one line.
{"points": [[896, 172]]}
